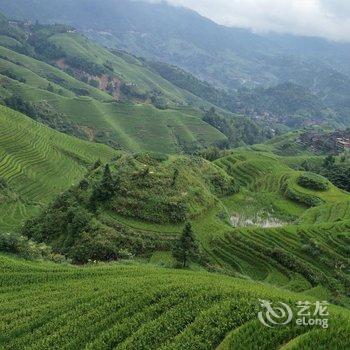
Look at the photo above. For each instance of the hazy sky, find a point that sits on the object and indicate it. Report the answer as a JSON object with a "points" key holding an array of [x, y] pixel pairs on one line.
{"points": [[326, 18]]}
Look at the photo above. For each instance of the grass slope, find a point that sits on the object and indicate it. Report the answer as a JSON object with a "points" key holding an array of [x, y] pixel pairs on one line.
{"points": [[263, 233], [125, 67], [38, 163], [142, 307], [128, 126], [284, 234], [265, 174]]}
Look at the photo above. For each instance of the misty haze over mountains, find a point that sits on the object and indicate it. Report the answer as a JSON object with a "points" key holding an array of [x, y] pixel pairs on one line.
{"points": [[229, 58], [182, 37], [167, 182]]}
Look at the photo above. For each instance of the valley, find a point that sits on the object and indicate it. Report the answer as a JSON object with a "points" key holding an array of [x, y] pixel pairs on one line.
{"points": [[143, 207]]}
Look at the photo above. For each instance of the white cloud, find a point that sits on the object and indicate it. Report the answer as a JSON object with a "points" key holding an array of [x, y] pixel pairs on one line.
{"points": [[325, 18]]}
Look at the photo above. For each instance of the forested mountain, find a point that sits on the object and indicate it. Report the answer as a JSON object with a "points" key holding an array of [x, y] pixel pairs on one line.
{"points": [[228, 58], [147, 203], [184, 38], [61, 79], [286, 105]]}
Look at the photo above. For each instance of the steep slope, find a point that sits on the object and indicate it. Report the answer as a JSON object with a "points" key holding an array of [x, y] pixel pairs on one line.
{"points": [[123, 117], [255, 217], [38, 163], [227, 56], [127, 69], [138, 307], [147, 187]]}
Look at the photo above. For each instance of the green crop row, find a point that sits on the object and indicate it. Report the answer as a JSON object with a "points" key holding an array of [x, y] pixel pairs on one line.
{"points": [[46, 306]]}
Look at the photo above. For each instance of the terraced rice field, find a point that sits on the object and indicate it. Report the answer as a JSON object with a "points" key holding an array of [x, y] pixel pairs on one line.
{"points": [[296, 257], [309, 253], [129, 126], [37, 163], [265, 173], [141, 127], [327, 213], [126, 67], [46, 306]]}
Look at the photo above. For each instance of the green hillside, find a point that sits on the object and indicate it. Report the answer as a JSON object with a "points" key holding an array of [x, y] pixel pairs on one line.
{"points": [[262, 172], [253, 215], [73, 85], [327, 213], [278, 242], [136, 215], [38, 163], [282, 107], [125, 67], [227, 57], [123, 125], [308, 258], [52, 306], [151, 188]]}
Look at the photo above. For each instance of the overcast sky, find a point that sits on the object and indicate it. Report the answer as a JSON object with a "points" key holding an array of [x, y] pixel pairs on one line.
{"points": [[325, 18]]}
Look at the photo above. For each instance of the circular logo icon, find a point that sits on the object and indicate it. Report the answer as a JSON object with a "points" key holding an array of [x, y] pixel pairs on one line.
{"points": [[273, 316]]}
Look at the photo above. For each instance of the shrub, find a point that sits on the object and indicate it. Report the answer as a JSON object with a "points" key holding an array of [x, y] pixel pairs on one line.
{"points": [[12, 75], [3, 183], [17, 103], [313, 182], [94, 83], [151, 158], [85, 65], [311, 201], [222, 186], [16, 244]]}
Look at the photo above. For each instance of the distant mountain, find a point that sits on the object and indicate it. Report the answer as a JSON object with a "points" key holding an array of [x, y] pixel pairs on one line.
{"points": [[183, 37], [284, 105], [229, 58], [62, 79]]}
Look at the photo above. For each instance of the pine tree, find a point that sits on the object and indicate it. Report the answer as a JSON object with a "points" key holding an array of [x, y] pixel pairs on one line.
{"points": [[329, 162], [186, 248], [105, 190], [93, 201], [175, 176], [108, 185], [96, 165]]}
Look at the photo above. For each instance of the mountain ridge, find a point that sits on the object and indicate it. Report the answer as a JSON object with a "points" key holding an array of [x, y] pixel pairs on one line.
{"points": [[143, 20], [228, 58]]}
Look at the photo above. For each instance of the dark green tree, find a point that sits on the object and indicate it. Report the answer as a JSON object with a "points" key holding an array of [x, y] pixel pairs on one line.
{"points": [[186, 248], [96, 165], [175, 176], [108, 185], [329, 162], [84, 184], [50, 88], [105, 189], [93, 201]]}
